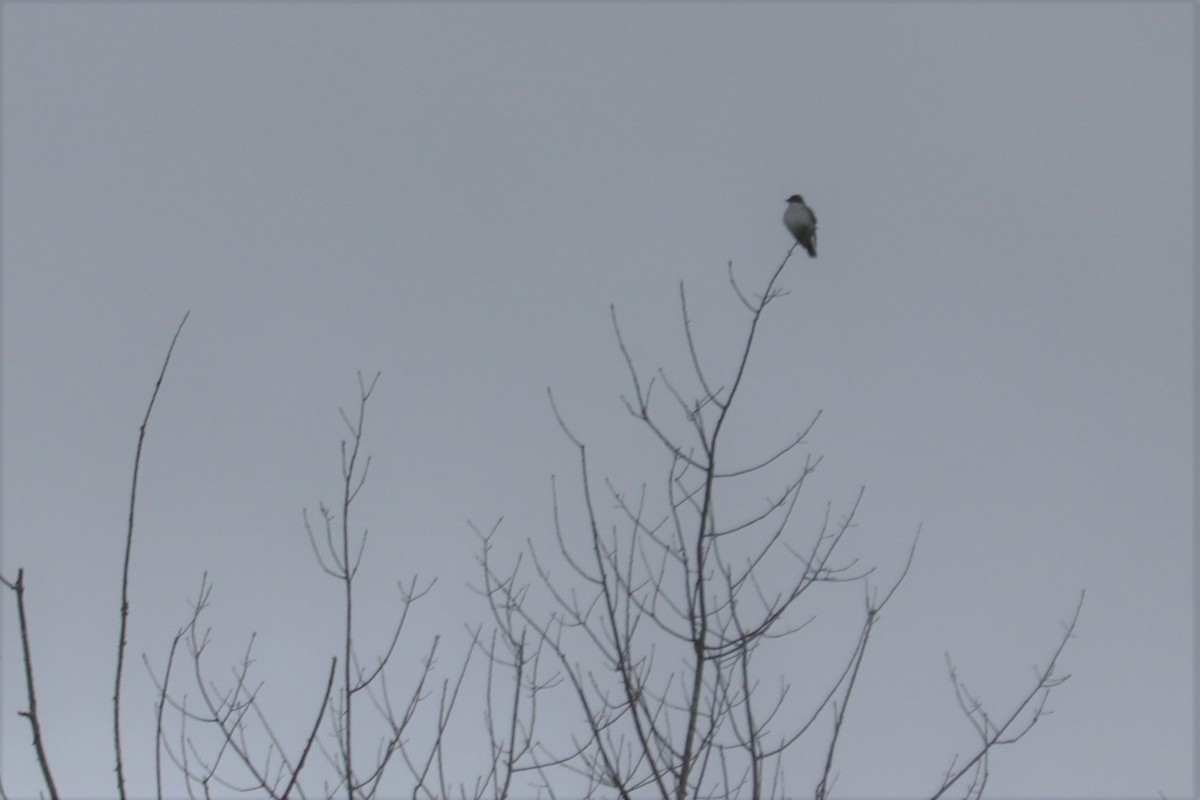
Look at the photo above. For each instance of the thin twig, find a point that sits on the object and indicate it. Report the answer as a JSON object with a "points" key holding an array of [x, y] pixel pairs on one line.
{"points": [[124, 613]]}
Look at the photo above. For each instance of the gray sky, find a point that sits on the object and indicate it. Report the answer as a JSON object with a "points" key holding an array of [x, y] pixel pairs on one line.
{"points": [[998, 331]]}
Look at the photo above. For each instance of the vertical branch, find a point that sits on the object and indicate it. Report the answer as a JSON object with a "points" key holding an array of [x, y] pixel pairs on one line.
{"points": [[705, 526], [347, 643], [124, 614], [32, 714], [352, 481], [232, 713], [159, 708]]}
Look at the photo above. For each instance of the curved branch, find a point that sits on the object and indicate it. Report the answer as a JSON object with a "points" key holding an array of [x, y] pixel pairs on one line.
{"points": [[124, 612]]}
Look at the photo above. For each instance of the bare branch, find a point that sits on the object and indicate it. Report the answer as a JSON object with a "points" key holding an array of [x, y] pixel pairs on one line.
{"points": [[313, 735], [124, 612], [1010, 729], [31, 714]]}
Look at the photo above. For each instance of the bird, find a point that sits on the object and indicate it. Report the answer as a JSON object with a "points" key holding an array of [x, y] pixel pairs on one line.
{"points": [[802, 223]]}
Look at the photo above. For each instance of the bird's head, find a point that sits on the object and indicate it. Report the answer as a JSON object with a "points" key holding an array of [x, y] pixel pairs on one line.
{"points": [[795, 199]]}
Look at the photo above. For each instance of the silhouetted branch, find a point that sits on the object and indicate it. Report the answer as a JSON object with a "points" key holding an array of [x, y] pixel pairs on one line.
{"points": [[312, 737], [31, 714], [124, 613], [660, 725], [1012, 728], [159, 706]]}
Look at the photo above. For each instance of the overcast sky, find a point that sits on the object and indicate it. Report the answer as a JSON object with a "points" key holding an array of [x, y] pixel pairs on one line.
{"points": [[997, 332]]}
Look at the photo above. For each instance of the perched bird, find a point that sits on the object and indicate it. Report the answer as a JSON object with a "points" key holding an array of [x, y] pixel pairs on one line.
{"points": [[802, 222]]}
